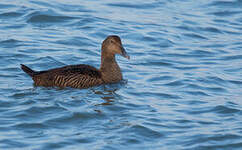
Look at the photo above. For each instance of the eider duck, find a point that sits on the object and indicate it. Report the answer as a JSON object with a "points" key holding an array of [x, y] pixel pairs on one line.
{"points": [[84, 76]]}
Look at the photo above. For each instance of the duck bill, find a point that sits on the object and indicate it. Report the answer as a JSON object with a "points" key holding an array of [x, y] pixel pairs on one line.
{"points": [[124, 53]]}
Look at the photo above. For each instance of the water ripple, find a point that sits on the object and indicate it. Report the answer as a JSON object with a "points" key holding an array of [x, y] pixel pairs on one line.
{"points": [[10, 15], [134, 6], [182, 84], [48, 19]]}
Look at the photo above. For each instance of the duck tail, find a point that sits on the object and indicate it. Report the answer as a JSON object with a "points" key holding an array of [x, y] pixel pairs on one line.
{"points": [[29, 71]]}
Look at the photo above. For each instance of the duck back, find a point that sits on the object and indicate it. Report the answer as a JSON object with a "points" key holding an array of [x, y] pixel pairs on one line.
{"points": [[75, 76]]}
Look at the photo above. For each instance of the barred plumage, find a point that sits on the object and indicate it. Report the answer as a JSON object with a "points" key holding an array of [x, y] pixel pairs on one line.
{"points": [[84, 76]]}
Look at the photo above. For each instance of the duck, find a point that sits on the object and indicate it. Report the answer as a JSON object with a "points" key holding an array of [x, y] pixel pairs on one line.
{"points": [[83, 75]]}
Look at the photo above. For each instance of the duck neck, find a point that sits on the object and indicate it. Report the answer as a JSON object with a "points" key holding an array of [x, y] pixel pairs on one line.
{"points": [[110, 70]]}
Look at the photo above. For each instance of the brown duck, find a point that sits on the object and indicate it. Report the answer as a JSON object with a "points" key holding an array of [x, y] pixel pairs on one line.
{"points": [[84, 76]]}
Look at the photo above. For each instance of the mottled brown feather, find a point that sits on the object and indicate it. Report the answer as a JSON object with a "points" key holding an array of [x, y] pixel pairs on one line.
{"points": [[69, 76]]}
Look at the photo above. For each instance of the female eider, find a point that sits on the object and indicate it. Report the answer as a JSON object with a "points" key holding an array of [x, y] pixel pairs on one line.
{"points": [[84, 76]]}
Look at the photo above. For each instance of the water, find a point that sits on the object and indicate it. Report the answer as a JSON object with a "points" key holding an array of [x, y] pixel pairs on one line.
{"points": [[182, 87]]}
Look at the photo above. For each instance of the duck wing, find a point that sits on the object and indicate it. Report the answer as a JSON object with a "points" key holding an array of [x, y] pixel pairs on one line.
{"points": [[76, 76]]}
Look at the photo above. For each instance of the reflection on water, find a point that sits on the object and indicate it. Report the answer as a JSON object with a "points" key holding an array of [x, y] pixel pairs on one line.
{"points": [[107, 93]]}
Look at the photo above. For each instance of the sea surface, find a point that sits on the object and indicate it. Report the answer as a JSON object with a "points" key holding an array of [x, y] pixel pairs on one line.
{"points": [[182, 87]]}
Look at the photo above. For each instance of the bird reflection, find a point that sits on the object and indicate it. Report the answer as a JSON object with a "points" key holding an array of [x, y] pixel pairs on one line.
{"points": [[108, 92]]}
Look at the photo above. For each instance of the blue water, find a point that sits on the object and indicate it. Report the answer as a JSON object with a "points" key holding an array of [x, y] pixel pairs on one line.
{"points": [[182, 87]]}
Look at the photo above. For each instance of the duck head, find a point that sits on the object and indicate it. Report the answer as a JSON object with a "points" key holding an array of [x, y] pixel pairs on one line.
{"points": [[112, 45]]}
